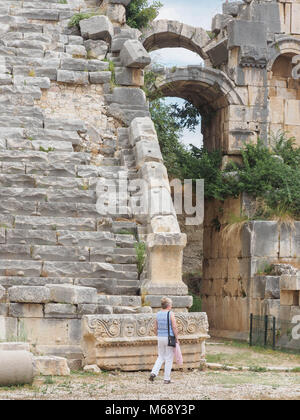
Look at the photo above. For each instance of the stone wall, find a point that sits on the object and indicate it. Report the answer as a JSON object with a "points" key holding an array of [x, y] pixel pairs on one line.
{"points": [[234, 259]]}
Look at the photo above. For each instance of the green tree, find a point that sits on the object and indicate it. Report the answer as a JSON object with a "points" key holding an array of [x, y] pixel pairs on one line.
{"points": [[140, 13], [188, 115]]}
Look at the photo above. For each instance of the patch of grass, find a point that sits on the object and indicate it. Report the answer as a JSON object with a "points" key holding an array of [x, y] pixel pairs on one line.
{"points": [[258, 369], [214, 358], [50, 149], [197, 303], [75, 19], [49, 380], [140, 249]]}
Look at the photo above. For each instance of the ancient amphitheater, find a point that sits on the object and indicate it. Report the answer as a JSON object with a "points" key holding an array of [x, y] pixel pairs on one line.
{"points": [[75, 125]]}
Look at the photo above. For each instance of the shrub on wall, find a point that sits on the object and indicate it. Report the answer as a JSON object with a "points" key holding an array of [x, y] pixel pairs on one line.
{"points": [[140, 13]]}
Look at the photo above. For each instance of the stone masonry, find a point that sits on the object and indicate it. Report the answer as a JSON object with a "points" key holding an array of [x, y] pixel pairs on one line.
{"points": [[75, 124], [247, 88]]}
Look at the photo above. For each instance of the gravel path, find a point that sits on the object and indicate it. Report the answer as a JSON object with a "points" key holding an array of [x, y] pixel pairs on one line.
{"points": [[195, 385]]}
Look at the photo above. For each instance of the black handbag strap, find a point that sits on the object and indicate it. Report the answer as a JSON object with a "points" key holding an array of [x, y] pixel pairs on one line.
{"points": [[168, 324]]}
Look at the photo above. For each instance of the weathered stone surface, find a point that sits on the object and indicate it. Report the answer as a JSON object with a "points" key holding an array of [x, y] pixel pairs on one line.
{"points": [[73, 295], [96, 49], [73, 77], [133, 54], [142, 129], [16, 368], [178, 301], [15, 346], [92, 369], [290, 282], [147, 151], [26, 310], [29, 294], [2, 293], [51, 366], [60, 310], [128, 342], [100, 77], [97, 27]]}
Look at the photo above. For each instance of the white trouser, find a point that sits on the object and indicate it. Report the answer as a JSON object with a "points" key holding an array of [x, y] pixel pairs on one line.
{"points": [[165, 354]]}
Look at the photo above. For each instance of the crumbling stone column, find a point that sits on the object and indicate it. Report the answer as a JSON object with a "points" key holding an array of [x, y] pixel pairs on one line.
{"points": [[16, 368]]}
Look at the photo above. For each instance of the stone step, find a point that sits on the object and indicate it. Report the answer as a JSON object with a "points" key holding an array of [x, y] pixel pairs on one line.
{"points": [[46, 195], [64, 253], [111, 286], [97, 240], [45, 182], [25, 268], [18, 179], [43, 146], [55, 223], [75, 158], [108, 286]]}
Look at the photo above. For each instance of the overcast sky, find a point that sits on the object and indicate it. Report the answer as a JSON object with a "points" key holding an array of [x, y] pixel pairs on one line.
{"points": [[196, 13]]}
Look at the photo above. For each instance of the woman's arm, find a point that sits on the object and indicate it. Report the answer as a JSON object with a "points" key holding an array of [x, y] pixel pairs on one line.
{"points": [[174, 326], [155, 327]]}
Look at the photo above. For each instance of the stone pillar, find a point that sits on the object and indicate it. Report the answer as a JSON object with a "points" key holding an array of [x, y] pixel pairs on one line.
{"points": [[16, 368], [165, 254]]}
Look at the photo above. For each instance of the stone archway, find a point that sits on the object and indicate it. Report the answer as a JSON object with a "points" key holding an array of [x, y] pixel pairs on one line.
{"points": [[284, 90], [211, 92], [173, 34]]}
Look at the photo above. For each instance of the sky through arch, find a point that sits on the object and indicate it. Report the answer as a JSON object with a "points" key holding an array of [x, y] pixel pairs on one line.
{"points": [[192, 12]]}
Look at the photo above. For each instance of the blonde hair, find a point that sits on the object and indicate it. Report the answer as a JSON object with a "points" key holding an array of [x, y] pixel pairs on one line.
{"points": [[165, 302]]}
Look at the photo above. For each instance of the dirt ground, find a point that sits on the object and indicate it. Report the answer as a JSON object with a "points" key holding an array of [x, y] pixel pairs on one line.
{"points": [[194, 385]]}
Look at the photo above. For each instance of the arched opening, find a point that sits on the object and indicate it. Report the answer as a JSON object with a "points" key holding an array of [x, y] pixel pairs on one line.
{"points": [[284, 93], [173, 34], [211, 92]]}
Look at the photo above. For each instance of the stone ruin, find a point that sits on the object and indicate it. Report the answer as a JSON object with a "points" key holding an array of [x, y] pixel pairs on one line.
{"points": [[75, 123]]}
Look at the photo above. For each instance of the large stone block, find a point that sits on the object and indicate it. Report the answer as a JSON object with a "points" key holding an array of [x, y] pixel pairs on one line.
{"points": [[126, 76], [142, 129], [155, 174], [29, 294], [73, 295], [288, 282], [271, 307], [51, 366], [97, 27], [133, 54], [60, 310], [242, 33], [128, 342], [147, 151], [178, 301], [73, 77], [26, 310], [295, 18], [265, 239], [96, 49], [289, 298]]}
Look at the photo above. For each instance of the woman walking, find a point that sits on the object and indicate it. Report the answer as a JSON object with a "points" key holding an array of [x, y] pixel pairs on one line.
{"points": [[165, 326]]}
